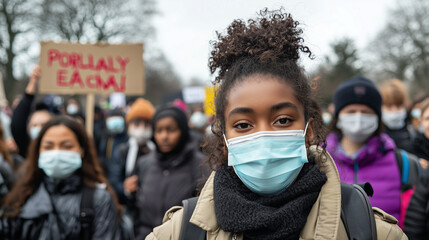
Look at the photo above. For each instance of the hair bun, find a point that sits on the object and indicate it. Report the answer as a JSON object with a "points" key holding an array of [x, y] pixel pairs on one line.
{"points": [[272, 37]]}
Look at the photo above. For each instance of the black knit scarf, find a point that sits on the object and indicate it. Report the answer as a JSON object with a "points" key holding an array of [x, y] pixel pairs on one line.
{"points": [[240, 210]]}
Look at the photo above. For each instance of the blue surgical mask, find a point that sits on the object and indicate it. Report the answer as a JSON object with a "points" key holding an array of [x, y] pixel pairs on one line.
{"points": [[59, 163], [115, 124], [72, 109], [268, 162], [415, 113], [34, 132]]}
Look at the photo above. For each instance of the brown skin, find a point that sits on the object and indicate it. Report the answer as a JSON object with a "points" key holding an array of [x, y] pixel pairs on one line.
{"points": [[131, 184], [91, 171], [38, 119], [263, 103], [349, 145], [34, 79], [60, 138], [167, 134]]}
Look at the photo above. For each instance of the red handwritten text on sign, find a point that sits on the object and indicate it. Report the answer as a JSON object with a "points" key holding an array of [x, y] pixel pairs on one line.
{"points": [[76, 61]]}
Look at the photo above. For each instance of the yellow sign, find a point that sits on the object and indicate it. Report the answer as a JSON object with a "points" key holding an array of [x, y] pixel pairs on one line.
{"points": [[209, 106]]}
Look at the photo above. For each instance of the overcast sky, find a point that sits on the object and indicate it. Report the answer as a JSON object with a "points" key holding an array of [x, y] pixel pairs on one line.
{"points": [[184, 28]]}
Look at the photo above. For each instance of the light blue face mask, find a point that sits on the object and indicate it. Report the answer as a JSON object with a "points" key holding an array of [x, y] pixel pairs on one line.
{"points": [[415, 113], [34, 132], [59, 163], [267, 162], [115, 124]]}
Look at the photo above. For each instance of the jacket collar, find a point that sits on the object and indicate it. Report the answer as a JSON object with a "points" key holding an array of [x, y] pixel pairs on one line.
{"points": [[323, 220]]}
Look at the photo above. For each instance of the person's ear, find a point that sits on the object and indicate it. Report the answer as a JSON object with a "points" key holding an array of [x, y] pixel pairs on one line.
{"points": [[309, 136]]}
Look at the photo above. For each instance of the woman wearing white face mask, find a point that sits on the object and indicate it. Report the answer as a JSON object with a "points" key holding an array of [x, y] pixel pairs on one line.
{"points": [[46, 202], [361, 152], [394, 109], [125, 158]]}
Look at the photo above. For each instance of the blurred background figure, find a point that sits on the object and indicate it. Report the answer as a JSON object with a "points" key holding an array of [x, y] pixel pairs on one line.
{"points": [[198, 124], [72, 106], [326, 116], [73, 109], [362, 152], [394, 117], [167, 175], [7, 175], [127, 156], [415, 113], [46, 202], [26, 122], [99, 126], [416, 224], [421, 141], [114, 136]]}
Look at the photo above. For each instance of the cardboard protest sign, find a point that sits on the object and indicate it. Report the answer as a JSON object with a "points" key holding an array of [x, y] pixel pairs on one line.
{"points": [[72, 68]]}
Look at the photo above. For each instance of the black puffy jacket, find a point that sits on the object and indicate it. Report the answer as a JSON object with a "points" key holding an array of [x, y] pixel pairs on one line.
{"points": [[164, 184], [416, 224], [37, 218]]}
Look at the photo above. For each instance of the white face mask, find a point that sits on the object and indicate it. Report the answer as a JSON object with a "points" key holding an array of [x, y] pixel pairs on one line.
{"points": [[394, 120], [72, 109], [358, 127], [141, 134], [34, 132], [198, 119]]}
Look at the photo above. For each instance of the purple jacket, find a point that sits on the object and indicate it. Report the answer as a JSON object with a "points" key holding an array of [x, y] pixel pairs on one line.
{"points": [[376, 164]]}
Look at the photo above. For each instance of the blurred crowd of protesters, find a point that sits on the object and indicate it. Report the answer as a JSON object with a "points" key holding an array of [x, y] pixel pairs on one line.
{"points": [[143, 161], [136, 164], [59, 182]]}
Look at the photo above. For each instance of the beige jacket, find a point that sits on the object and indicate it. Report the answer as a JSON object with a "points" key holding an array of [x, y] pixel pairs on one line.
{"points": [[323, 222]]}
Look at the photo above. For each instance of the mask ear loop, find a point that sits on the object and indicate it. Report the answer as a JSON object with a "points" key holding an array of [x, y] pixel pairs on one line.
{"points": [[226, 141], [305, 130]]}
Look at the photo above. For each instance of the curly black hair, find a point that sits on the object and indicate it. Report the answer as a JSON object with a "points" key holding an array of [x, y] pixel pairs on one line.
{"points": [[271, 45]]}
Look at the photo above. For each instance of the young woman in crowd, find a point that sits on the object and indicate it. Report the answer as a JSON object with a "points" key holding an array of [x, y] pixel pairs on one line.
{"points": [[268, 182], [167, 175], [46, 202], [394, 109]]}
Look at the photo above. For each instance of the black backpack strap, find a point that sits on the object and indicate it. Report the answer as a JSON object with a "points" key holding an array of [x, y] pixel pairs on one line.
{"points": [[188, 230], [356, 212], [86, 213]]}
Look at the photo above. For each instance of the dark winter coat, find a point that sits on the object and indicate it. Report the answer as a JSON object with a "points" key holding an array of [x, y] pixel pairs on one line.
{"points": [[416, 224], [401, 137], [37, 218], [164, 184], [117, 174], [19, 122], [421, 146], [108, 145]]}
